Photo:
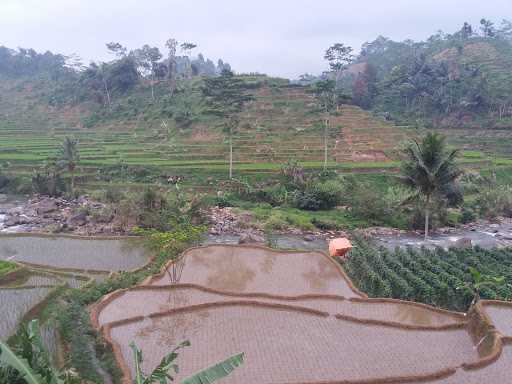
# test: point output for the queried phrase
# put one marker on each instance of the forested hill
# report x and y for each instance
(462, 79)
(458, 80)
(47, 90)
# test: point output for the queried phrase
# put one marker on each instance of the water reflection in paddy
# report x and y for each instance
(244, 269)
(74, 253)
(29, 287)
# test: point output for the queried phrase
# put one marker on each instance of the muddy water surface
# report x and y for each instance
(259, 270)
(74, 253)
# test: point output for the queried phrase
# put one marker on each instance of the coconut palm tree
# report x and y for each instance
(69, 157)
(430, 170)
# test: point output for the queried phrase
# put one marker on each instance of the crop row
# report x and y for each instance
(435, 277)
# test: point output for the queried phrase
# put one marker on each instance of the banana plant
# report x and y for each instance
(33, 364)
(9, 359)
(167, 368)
(479, 281)
(32, 361)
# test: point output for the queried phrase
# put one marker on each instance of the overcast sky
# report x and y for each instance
(278, 37)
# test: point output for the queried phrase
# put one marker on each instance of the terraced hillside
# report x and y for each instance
(282, 123)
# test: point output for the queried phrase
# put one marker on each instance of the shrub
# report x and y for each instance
(275, 195)
(495, 202)
(468, 215)
(323, 195)
(324, 224)
(48, 182)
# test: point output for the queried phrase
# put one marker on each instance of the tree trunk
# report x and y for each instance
(72, 183)
(152, 86)
(326, 127)
(230, 154)
(427, 217)
(106, 91)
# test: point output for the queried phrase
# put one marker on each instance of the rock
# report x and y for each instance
(46, 206)
(463, 243)
(250, 238)
(12, 221)
(4, 180)
(77, 220)
(309, 238)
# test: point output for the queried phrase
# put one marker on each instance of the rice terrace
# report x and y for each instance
(233, 298)
(272, 193)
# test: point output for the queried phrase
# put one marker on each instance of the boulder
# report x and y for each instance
(250, 238)
(45, 206)
(309, 238)
(463, 243)
(77, 220)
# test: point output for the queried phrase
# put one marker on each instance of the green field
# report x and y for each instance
(6, 267)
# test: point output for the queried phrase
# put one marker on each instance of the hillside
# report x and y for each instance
(154, 125)
(280, 124)
(459, 80)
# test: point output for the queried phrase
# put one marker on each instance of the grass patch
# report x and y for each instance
(6, 267)
(281, 218)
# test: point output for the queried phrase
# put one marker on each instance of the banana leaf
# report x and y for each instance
(217, 371)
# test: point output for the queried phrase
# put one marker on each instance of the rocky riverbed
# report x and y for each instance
(83, 216)
(80, 216)
(229, 227)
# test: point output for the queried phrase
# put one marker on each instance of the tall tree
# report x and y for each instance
(466, 31)
(226, 96)
(69, 157)
(431, 171)
(117, 49)
(147, 58)
(339, 57)
(172, 46)
(487, 27)
(327, 99)
(187, 48)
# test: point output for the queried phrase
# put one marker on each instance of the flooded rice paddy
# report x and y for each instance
(50, 262)
(294, 314)
(258, 269)
(16, 303)
(285, 346)
(73, 252)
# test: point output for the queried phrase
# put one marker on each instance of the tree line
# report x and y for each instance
(102, 81)
(449, 79)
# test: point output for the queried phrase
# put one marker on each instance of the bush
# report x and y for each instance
(324, 224)
(319, 196)
(275, 195)
(468, 215)
(48, 182)
(494, 202)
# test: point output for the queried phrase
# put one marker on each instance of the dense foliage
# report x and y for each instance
(449, 79)
(435, 277)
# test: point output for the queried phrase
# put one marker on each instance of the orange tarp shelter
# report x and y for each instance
(339, 247)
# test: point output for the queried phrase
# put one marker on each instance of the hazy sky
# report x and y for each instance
(278, 37)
